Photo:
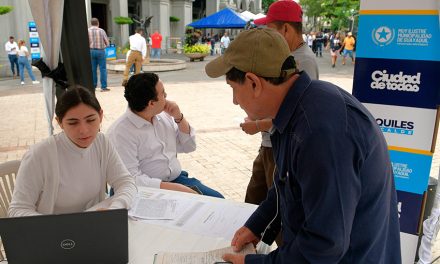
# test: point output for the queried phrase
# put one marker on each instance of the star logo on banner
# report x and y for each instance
(383, 35)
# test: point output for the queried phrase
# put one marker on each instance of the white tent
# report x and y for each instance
(248, 15)
(48, 15)
(259, 15)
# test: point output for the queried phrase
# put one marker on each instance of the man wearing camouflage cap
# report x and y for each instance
(333, 197)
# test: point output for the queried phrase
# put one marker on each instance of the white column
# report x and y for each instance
(183, 10)
(120, 32)
(161, 19)
(212, 6)
(88, 4)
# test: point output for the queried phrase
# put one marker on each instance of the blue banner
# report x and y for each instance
(397, 82)
(34, 40)
(411, 171)
(393, 37)
(35, 56)
(409, 206)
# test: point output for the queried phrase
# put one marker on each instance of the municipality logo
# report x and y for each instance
(383, 35)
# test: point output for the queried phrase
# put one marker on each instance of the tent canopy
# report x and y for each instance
(259, 15)
(226, 18)
(247, 15)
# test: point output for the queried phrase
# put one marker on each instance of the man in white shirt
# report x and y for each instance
(149, 135)
(11, 48)
(225, 41)
(138, 53)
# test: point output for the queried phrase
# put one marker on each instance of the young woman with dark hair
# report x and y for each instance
(69, 172)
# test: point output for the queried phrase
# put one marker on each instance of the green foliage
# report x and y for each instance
(266, 4)
(5, 9)
(124, 49)
(197, 48)
(338, 12)
(174, 19)
(192, 36)
(120, 20)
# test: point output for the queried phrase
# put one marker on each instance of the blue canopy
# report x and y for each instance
(226, 18)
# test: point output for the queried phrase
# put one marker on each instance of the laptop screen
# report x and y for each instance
(87, 237)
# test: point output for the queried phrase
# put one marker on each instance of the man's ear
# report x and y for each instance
(255, 82)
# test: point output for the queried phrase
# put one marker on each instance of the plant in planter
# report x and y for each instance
(120, 20)
(5, 9)
(174, 19)
(122, 51)
(192, 48)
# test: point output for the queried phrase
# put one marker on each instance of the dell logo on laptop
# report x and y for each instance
(67, 244)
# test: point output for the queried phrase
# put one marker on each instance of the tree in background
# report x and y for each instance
(340, 13)
(266, 4)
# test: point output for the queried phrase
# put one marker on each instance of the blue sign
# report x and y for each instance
(34, 40)
(35, 56)
(393, 37)
(411, 171)
(409, 206)
(397, 82)
(32, 24)
(110, 52)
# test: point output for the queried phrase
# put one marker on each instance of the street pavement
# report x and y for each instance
(224, 155)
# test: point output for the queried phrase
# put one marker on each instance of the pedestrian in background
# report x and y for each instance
(348, 45)
(156, 45)
(23, 62)
(335, 47)
(212, 45)
(319, 40)
(138, 52)
(224, 42)
(98, 41)
(11, 48)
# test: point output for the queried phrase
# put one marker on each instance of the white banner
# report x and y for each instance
(405, 127)
(408, 244)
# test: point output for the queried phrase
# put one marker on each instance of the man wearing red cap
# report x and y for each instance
(286, 18)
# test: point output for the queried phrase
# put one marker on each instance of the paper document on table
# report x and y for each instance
(208, 218)
(153, 208)
(209, 257)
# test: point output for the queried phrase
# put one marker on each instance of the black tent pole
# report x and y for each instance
(75, 50)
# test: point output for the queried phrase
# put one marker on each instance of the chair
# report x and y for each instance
(8, 172)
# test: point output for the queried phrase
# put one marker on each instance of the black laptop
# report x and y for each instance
(89, 237)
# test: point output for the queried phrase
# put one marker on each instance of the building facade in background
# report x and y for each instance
(16, 22)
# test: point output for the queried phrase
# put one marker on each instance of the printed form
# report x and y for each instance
(184, 213)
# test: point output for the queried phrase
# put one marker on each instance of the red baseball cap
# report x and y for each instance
(283, 10)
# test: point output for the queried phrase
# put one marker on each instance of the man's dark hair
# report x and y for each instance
(11, 37)
(239, 76)
(140, 90)
(139, 30)
(94, 21)
(74, 96)
(297, 26)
